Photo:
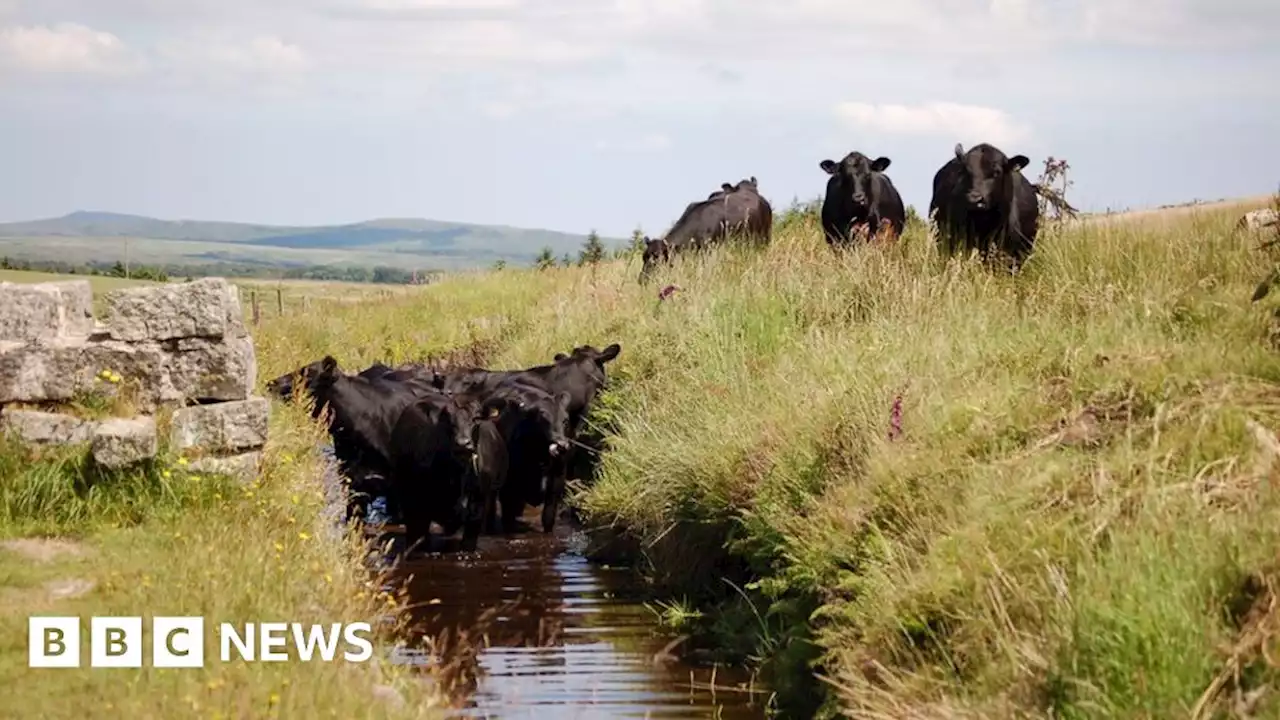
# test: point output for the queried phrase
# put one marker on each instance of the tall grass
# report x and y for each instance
(1076, 519)
(161, 540)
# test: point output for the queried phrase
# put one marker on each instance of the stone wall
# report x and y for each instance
(180, 346)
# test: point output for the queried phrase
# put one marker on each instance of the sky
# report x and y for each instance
(612, 114)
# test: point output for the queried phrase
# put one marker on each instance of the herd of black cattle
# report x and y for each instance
(452, 446)
(981, 199)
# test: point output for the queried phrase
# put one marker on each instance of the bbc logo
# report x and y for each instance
(115, 642)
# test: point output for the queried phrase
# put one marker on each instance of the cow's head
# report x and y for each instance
(319, 382)
(587, 352)
(656, 251)
(852, 176)
(283, 386)
(987, 175)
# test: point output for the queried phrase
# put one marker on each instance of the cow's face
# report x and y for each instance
(853, 176)
(283, 386)
(655, 251)
(987, 175)
(559, 425)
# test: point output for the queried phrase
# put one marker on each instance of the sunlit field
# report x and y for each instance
(941, 490)
(1077, 517)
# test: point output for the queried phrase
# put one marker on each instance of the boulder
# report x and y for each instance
(58, 369)
(31, 312)
(119, 443)
(45, 428)
(221, 427)
(243, 467)
(205, 308)
(211, 370)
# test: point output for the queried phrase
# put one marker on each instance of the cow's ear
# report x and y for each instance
(959, 151)
(1017, 162)
(753, 180)
(880, 164)
(328, 364)
(560, 356)
(610, 353)
(828, 166)
(726, 187)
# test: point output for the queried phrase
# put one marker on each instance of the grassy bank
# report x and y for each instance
(165, 541)
(1077, 519)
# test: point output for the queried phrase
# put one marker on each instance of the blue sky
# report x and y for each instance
(608, 114)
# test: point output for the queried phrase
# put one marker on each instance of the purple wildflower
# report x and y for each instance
(895, 418)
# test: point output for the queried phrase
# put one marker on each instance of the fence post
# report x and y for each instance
(253, 299)
(279, 301)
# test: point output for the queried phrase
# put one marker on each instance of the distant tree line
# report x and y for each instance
(381, 275)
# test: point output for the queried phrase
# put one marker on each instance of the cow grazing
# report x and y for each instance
(983, 202)
(860, 196)
(733, 208)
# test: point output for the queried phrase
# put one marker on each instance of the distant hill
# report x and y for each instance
(86, 236)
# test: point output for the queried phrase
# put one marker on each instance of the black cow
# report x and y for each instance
(859, 195)
(397, 435)
(577, 377)
(537, 440)
(738, 208)
(366, 472)
(983, 202)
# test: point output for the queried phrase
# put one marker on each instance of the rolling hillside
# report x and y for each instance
(392, 242)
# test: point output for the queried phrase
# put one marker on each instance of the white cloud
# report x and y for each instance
(265, 54)
(64, 48)
(964, 123)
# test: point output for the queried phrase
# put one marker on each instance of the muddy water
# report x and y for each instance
(558, 637)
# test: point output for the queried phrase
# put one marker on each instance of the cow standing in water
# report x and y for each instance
(860, 197)
(984, 203)
(732, 208)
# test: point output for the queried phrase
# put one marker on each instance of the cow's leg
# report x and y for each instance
(512, 506)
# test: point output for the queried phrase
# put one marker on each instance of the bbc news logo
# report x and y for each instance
(178, 642)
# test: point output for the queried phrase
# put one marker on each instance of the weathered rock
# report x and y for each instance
(45, 310)
(44, 428)
(203, 369)
(222, 427)
(120, 443)
(235, 313)
(190, 369)
(243, 467)
(1258, 219)
(58, 369)
(205, 308)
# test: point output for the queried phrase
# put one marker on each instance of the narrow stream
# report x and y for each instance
(565, 638)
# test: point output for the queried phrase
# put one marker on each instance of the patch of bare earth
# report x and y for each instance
(43, 549)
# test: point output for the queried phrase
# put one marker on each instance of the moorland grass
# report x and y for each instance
(1078, 519)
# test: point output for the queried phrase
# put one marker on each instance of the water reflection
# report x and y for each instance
(548, 635)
